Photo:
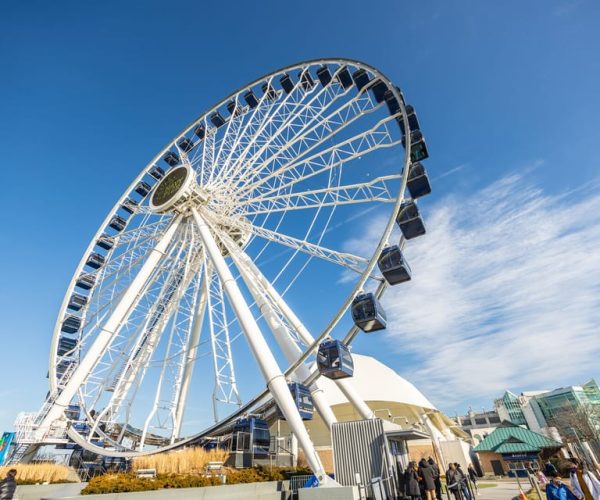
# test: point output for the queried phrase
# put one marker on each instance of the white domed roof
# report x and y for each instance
(375, 381)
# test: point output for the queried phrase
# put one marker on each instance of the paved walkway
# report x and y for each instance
(506, 490)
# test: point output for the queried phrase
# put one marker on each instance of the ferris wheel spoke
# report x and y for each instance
(345, 259)
(129, 359)
(376, 190)
(313, 133)
(114, 352)
(263, 129)
(313, 108)
(225, 389)
(183, 302)
(230, 138)
(113, 285)
(103, 339)
(333, 157)
(181, 324)
(191, 350)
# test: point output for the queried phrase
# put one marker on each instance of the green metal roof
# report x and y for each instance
(509, 439)
(516, 448)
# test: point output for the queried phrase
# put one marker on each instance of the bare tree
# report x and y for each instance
(579, 425)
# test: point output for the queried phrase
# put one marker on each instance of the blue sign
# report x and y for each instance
(519, 456)
(5, 441)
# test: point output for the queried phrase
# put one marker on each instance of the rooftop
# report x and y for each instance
(510, 438)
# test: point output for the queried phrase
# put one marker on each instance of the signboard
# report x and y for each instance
(5, 441)
(517, 457)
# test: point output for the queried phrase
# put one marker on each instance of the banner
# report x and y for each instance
(5, 441)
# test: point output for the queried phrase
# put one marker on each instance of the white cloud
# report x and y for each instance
(505, 293)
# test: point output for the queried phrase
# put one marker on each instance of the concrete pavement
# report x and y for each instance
(506, 490)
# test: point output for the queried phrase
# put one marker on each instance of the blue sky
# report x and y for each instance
(507, 93)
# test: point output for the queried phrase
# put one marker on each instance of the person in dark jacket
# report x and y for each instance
(411, 480)
(438, 478)
(464, 487)
(8, 485)
(549, 469)
(453, 480)
(427, 475)
(473, 477)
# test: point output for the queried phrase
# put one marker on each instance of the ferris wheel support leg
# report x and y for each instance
(291, 350)
(119, 315)
(345, 385)
(272, 373)
(190, 361)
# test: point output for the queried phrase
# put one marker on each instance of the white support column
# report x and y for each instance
(190, 361)
(112, 325)
(291, 350)
(271, 372)
(345, 385)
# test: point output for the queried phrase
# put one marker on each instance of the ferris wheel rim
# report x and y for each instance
(343, 308)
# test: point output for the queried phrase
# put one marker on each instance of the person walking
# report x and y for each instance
(549, 469)
(438, 478)
(411, 481)
(8, 485)
(473, 477)
(427, 475)
(464, 487)
(557, 490)
(453, 481)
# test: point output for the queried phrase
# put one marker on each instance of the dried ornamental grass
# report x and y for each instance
(38, 473)
(186, 461)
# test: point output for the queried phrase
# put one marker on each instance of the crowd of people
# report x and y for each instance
(423, 481)
(582, 485)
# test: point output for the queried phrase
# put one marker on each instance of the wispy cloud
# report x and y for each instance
(505, 293)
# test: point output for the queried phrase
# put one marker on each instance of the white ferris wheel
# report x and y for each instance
(189, 281)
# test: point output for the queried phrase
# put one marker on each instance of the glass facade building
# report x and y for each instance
(574, 411)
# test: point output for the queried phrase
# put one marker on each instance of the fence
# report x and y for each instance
(301, 481)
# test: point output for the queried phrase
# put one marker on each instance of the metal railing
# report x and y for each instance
(301, 481)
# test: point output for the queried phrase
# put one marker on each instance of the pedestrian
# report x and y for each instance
(473, 477)
(549, 469)
(438, 478)
(542, 479)
(8, 485)
(411, 481)
(464, 487)
(557, 490)
(427, 475)
(453, 481)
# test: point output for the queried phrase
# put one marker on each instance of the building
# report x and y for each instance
(511, 449)
(479, 425)
(396, 401)
(570, 414)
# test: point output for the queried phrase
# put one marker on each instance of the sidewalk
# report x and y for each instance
(506, 490)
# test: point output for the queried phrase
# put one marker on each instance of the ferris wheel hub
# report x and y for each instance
(178, 191)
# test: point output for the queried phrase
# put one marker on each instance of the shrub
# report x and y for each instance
(125, 483)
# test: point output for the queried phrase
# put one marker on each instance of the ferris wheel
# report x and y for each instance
(254, 246)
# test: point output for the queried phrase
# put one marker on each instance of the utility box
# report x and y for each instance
(362, 457)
